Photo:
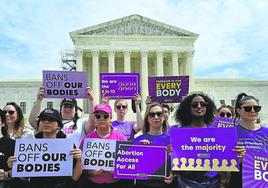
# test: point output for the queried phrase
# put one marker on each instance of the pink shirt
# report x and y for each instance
(105, 176)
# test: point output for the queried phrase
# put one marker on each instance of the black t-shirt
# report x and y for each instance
(7, 147)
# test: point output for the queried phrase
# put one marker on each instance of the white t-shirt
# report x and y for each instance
(75, 134)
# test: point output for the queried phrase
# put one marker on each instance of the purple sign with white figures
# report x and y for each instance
(203, 149)
(65, 84)
(168, 89)
(119, 85)
(255, 170)
(140, 161)
(221, 122)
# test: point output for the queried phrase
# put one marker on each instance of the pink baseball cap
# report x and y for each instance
(103, 107)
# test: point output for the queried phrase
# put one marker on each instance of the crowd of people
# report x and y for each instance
(196, 110)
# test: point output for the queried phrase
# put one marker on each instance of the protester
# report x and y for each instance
(225, 111)
(50, 123)
(249, 133)
(73, 126)
(121, 125)
(102, 114)
(154, 132)
(197, 110)
(16, 127)
(7, 146)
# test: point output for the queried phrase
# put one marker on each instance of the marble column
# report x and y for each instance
(79, 67)
(189, 69)
(144, 78)
(175, 64)
(96, 76)
(79, 60)
(111, 61)
(159, 63)
(127, 64)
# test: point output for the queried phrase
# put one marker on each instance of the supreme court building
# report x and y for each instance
(135, 44)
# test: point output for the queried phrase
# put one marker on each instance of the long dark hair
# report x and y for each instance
(146, 127)
(240, 100)
(183, 114)
(3, 120)
(19, 123)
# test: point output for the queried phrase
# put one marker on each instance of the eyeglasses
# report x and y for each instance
(47, 118)
(121, 107)
(10, 112)
(153, 114)
(196, 104)
(249, 108)
(105, 116)
(222, 114)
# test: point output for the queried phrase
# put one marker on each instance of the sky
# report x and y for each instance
(232, 42)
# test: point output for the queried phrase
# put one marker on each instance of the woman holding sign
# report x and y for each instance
(197, 110)
(154, 132)
(73, 126)
(102, 114)
(249, 133)
(16, 127)
(50, 123)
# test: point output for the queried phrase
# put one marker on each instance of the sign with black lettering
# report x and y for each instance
(43, 157)
(65, 84)
(98, 154)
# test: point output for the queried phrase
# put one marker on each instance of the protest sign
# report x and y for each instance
(168, 89)
(119, 85)
(98, 154)
(135, 161)
(204, 149)
(220, 122)
(43, 157)
(65, 84)
(255, 169)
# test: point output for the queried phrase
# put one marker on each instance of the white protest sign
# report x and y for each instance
(98, 154)
(43, 157)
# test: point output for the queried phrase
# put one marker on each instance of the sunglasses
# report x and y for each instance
(153, 114)
(47, 118)
(121, 107)
(105, 116)
(222, 114)
(10, 112)
(196, 104)
(249, 108)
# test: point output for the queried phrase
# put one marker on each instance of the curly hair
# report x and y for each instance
(183, 114)
(240, 100)
(19, 123)
(146, 122)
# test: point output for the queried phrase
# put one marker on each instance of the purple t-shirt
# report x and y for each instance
(256, 140)
(125, 128)
(162, 140)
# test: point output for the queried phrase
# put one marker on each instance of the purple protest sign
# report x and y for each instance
(221, 122)
(65, 84)
(43, 157)
(203, 149)
(140, 161)
(119, 85)
(255, 170)
(168, 89)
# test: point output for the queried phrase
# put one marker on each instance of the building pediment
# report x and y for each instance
(134, 25)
